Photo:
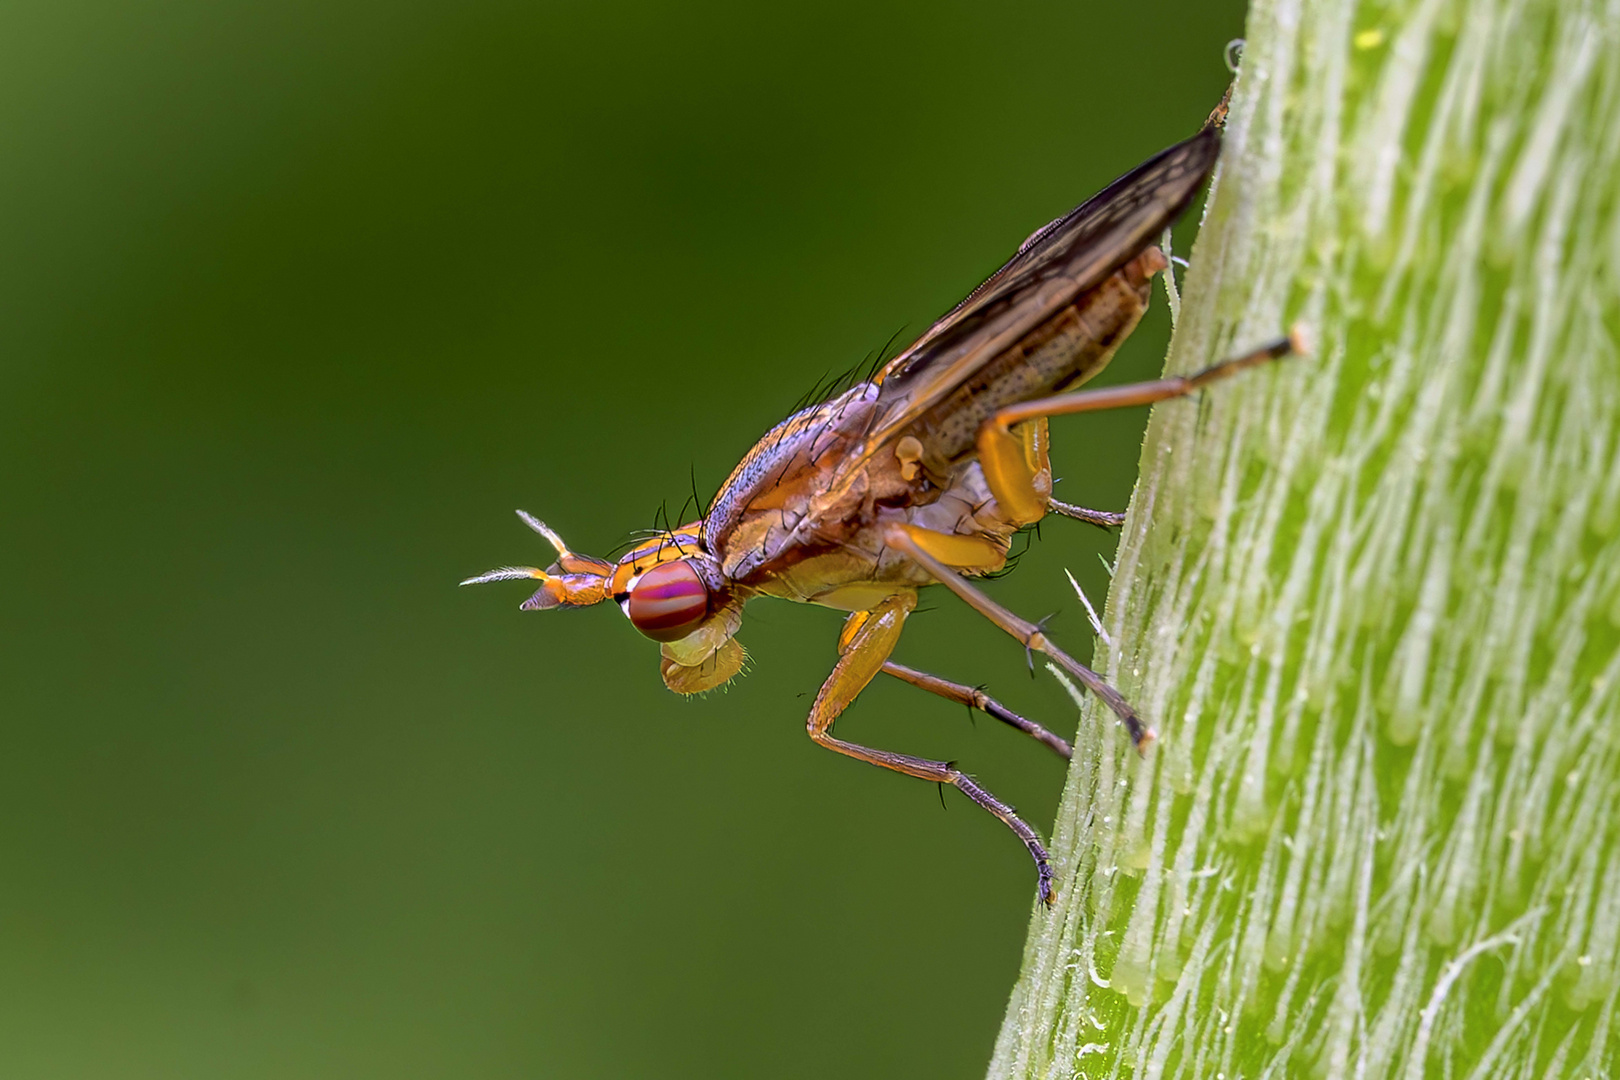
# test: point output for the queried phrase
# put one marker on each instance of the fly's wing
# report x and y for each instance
(1052, 268)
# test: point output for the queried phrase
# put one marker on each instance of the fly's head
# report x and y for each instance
(671, 590)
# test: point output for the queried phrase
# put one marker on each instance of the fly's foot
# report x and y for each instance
(1103, 519)
(1043, 885)
(1009, 816)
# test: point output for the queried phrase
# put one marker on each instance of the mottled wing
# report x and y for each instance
(1052, 268)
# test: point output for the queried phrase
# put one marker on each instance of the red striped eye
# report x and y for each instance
(668, 601)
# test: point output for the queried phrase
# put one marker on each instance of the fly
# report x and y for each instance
(919, 476)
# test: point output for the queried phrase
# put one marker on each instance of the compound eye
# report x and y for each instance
(668, 601)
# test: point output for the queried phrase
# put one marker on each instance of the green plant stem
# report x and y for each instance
(1371, 598)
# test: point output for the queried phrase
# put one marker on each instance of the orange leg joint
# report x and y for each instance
(865, 644)
(1016, 468)
(975, 554)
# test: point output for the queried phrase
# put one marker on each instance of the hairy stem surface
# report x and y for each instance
(1371, 598)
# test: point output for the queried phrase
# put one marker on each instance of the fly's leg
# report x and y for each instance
(1018, 466)
(1103, 519)
(1013, 459)
(974, 698)
(864, 648)
(971, 696)
(1013, 455)
(918, 543)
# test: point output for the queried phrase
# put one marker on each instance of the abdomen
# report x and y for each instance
(1061, 353)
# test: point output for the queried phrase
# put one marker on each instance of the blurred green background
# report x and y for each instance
(299, 301)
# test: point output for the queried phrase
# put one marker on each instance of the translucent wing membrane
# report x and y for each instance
(1052, 268)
